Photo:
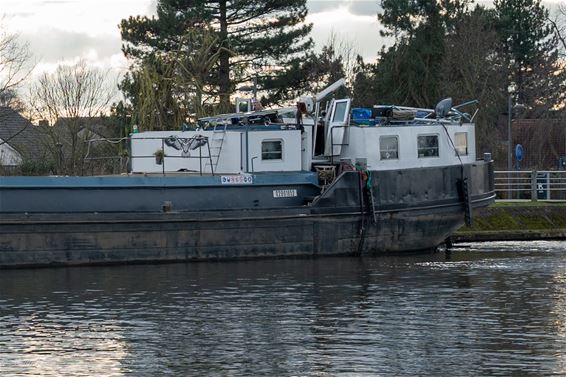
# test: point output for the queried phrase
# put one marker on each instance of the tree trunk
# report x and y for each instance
(224, 59)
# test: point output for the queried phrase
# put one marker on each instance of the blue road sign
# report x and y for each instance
(519, 152)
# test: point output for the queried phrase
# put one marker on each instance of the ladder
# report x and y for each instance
(215, 146)
(468, 214)
(371, 204)
(367, 204)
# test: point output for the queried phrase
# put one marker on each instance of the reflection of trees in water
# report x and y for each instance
(416, 314)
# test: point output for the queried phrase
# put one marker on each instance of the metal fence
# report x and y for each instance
(530, 185)
(160, 156)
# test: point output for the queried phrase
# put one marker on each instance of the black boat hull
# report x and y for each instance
(408, 217)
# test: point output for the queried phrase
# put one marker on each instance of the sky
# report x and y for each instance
(69, 30)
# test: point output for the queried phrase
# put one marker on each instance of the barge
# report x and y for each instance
(316, 179)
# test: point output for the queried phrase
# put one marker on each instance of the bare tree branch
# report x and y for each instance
(14, 59)
(558, 31)
(71, 95)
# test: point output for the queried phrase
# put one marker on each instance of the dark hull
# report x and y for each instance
(336, 223)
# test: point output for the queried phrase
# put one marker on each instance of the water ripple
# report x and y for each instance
(483, 309)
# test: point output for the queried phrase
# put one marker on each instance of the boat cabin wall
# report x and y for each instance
(238, 151)
(274, 151)
(183, 151)
(306, 140)
(389, 147)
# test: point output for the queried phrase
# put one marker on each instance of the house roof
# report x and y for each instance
(100, 126)
(21, 134)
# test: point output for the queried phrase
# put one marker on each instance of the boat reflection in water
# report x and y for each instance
(485, 309)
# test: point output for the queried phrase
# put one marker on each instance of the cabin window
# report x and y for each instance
(272, 150)
(461, 143)
(340, 112)
(427, 146)
(389, 147)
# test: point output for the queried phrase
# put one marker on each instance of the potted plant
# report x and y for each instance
(159, 155)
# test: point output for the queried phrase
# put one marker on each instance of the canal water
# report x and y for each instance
(484, 309)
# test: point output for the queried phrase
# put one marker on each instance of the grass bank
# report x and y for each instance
(516, 221)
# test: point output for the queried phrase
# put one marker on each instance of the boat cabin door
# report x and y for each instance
(336, 128)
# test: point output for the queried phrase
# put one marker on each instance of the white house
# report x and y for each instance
(19, 139)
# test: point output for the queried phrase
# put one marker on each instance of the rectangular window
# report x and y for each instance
(461, 143)
(340, 112)
(427, 146)
(389, 147)
(272, 150)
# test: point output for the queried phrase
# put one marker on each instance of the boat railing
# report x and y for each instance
(408, 123)
(160, 156)
(118, 152)
(444, 113)
(547, 185)
(209, 147)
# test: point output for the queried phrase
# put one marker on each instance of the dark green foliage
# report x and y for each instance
(324, 68)
(34, 168)
(158, 106)
(473, 68)
(524, 30)
(443, 48)
(121, 118)
(409, 71)
(364, 85)
(531, 51)
(410, 17)
(267, 38)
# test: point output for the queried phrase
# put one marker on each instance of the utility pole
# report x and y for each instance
(509, 150)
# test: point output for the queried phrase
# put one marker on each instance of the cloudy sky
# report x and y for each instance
(68, 30)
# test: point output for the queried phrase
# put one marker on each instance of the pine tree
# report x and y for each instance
(265, 38)
(473, 69)
(364, 84)
(409, 71)
(531, 50)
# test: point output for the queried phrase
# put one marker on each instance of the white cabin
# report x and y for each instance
(403, 147)
(271, 141)
(224, 149)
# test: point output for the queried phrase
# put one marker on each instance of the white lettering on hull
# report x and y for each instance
(237, 179)
(285, 193)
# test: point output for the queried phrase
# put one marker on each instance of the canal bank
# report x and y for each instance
(516, 221)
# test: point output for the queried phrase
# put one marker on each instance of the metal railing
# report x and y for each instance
(207, 163)
(160, 155)
(530, 185)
